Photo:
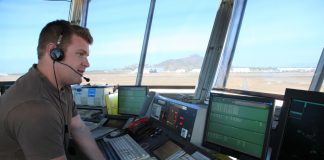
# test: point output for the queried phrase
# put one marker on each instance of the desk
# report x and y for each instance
(117, 121)
(103, 108)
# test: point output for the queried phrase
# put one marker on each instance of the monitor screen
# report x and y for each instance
(238, 125)
(5, 85)
(303, 135)
(131, 99)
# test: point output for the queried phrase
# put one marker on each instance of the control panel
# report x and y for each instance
(171, 129)
(185, 119)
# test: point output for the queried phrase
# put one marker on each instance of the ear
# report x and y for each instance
(49, 48)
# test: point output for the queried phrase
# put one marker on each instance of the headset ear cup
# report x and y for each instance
(57, 54)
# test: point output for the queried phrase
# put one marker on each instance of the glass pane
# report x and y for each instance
(279, 45)
(118, 29)
(20, 25)
(179, 37)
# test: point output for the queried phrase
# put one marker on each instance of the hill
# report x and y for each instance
(187, 63)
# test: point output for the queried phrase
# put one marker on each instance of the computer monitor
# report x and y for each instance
(238, 125)
(5, 85)
(131, 99)
(303, 135)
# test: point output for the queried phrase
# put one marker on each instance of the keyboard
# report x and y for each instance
(127, 148)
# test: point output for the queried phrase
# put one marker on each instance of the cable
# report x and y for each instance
(65, 130)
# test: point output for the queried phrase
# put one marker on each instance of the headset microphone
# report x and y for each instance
(85, 78)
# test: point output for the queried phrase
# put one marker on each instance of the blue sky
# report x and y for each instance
(288, 34)
(273, 34)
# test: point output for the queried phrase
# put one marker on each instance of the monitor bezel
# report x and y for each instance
(233, 152)
(4, 85)
(130, 86)
(290, 95)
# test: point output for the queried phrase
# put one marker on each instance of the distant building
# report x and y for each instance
(195, 70)
(149, 70)
(271, 69)
(241, 70)
(296, 69)
(180, 70)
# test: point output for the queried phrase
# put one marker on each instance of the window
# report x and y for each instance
(179, 37)
(20, 25)
(278, 46)
(118, 29)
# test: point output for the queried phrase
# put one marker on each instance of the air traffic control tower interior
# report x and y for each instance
(215, 122)
(230, 125)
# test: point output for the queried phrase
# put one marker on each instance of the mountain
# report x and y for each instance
(187, 63)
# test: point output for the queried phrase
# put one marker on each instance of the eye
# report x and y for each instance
(81, 54)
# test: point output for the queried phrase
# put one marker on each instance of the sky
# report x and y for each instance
(273, 33)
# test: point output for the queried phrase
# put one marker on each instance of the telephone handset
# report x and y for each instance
(138, 124)
(130, 125)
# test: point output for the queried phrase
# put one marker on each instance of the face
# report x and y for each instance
(76, 56)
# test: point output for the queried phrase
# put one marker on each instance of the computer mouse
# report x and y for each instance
(115, 133)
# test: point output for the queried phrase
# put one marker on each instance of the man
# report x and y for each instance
(37, 113)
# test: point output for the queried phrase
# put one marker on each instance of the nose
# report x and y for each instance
(85, 63)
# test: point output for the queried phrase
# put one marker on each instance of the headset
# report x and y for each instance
(57, 53)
